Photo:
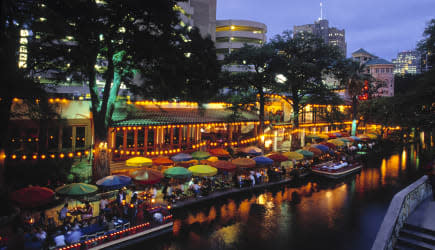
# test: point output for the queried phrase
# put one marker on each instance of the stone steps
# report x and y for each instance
(414, 237)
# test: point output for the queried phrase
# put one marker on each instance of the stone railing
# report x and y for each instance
(401, 206)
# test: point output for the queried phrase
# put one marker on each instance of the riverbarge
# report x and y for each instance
(336, 170)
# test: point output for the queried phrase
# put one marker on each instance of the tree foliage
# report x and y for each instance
(303, 59)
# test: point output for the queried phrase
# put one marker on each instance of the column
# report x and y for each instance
(145, 140)
(180, 135)
(188, 135)
(156, 130)
(171, 137)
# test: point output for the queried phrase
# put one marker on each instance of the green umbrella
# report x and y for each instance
(76, 189)
(177, 172)
(200, 155)
(305, 153)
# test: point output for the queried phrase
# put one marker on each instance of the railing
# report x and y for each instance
(401, 206)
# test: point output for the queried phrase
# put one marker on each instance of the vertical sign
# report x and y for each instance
(22, 55)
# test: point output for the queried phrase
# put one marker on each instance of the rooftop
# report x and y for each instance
(378, 61)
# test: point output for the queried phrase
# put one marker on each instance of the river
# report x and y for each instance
(344, 214)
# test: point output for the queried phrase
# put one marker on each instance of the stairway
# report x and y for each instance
(414, 237)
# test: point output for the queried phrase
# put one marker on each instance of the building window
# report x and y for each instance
(119, 138)
(80, 137)
(130, 139)
(377, 70)
(53, 138)
(67, 137)
(141, 138)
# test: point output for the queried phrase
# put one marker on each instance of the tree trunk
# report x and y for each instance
(101, 160)
(262, 100)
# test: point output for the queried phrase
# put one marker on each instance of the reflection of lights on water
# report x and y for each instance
(261, 199)
(403, 159)
(328, 194)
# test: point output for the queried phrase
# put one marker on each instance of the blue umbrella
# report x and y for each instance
(181, 157)
(114, 181)
(321, 147)
(262, 160)
(356, 138)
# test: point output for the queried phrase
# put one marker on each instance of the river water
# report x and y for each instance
(344, 214)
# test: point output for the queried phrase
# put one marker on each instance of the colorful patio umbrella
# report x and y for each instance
(220, 152)
(332, 136)
(356, 138)
(31, 197)
(146, 176)
(312, 136)
(345, 139)
(278, 157)
(162, 161)
(315, 151)
(114, 182)
(76, 189)
(364, 137)
(187, 164)
(139, 162)
(252, 150)
(371, 136)
(244, 162)
(338, 134)
(181, 157)
(305, 153)
(177, 173)
(324, 148)
(345, 134)
(263, 160)
(293, 155)
(337, 142)
(200, 155)
(224, 165)
(329, 145)
(203, 170)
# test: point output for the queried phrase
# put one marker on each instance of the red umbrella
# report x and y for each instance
(31, 197)
(162, 161)
(146, 176)
(328, 144)
(332, 136)
(224, 165)
(278, 157)
(244, 162)
(220, 152)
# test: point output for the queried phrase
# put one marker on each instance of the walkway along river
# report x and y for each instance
(314, 213)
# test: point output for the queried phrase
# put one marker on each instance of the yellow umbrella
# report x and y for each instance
(371, 136)
(337, 142)
(138, 162)
(323, 136)
(293, 155)
(203, 170)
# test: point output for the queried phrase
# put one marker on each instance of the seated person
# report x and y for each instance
(63, 212)
(59, 239)
(158, 217)
(88, 212)
(74, 235)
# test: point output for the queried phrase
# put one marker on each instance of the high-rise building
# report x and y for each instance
(233, 34)
(201, 14)
(407, 62)
(329, 35)
(380, 69)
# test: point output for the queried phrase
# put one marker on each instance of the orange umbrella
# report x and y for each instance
(224, 165)
(244, 162)
(162, 161)
(219, 152)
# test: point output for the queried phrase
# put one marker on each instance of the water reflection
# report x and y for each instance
(315, 213)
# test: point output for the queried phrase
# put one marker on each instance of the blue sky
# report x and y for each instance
(382, 27)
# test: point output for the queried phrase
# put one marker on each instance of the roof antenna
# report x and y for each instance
(321, 11)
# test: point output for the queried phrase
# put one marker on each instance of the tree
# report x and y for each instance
(256, 76)
(427, 45)
(87, 40)
(303, 60)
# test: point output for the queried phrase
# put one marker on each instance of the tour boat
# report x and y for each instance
(125, 234)
(336, 170)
